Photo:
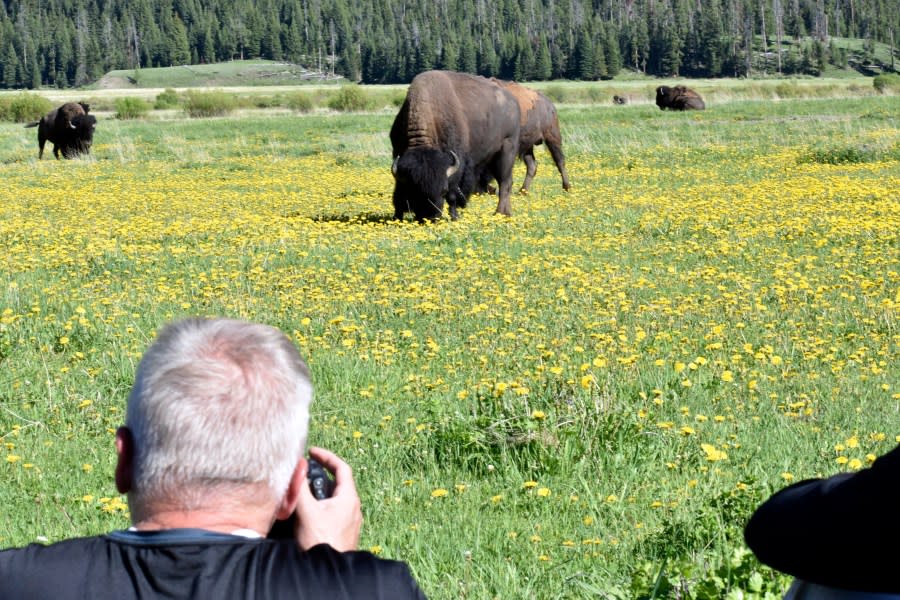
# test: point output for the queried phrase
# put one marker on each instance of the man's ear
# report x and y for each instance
(289, 502)
(125, 465)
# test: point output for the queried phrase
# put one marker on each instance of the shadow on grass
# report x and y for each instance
(361, 218)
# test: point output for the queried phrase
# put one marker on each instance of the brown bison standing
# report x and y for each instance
(452, 129)
(69, 128)
(678, 98)
(539, 124)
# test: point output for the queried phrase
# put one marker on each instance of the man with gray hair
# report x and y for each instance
(212, 454)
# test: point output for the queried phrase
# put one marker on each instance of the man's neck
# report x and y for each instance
(222, 522)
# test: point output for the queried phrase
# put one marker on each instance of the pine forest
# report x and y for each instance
(65, 43)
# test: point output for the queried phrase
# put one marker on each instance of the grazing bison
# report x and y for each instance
(452, 128)
(539, 124)
(69, 128)
(678, 98)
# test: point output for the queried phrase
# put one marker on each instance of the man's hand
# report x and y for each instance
(335, 521)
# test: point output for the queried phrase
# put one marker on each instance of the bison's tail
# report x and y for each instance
(35, 124)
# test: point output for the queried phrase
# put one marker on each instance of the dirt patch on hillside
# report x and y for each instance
(115, 82)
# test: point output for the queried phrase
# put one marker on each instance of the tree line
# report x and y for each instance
(66, 43)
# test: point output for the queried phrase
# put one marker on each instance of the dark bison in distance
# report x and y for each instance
(678, 98)
(69, 128)
(452, 130)
(539, 125)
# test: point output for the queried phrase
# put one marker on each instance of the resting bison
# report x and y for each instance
(69, 128)
(451, 129)
(539, 124)
(678, 98)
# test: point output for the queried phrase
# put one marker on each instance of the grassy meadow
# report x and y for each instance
(585, 400)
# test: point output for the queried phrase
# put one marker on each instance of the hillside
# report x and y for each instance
(239, 73)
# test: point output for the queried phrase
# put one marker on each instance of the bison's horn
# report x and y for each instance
(454, 167)
(72, 125)
(394, 167)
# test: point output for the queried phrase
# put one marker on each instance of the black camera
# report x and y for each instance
(320, 484)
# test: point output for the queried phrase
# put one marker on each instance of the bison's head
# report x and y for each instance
(664, 96)
(422, 178)
(82, 137)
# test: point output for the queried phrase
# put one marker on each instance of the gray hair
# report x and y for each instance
(217, 404)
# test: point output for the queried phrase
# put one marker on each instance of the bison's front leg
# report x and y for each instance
(456, 199)
(401, 207)
(504, 176)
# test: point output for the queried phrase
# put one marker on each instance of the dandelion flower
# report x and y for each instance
(712, 453)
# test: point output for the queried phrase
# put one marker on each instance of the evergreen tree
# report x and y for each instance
(270, 43)
(349, 63)
(712, 35)
(543, 67)
(33, 80)
(65, 56)
(558, 60)
(581, 65)
(468, 56)
(426, 55)
(206, 52)
(601, 70)
(612, 52)
(670, 58)
(524, 62)
(449, 59)
(9, 65)
(488, 61)
(254, 30)
(180, 48)
(82, 43)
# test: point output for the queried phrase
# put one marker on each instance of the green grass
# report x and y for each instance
(479, 356)
(386, 98)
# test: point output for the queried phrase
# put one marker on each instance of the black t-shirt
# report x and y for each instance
(197, 564)
(841, 532)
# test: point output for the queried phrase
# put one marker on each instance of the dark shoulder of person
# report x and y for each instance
(352, 575)
(833, 531)
(59, 571)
